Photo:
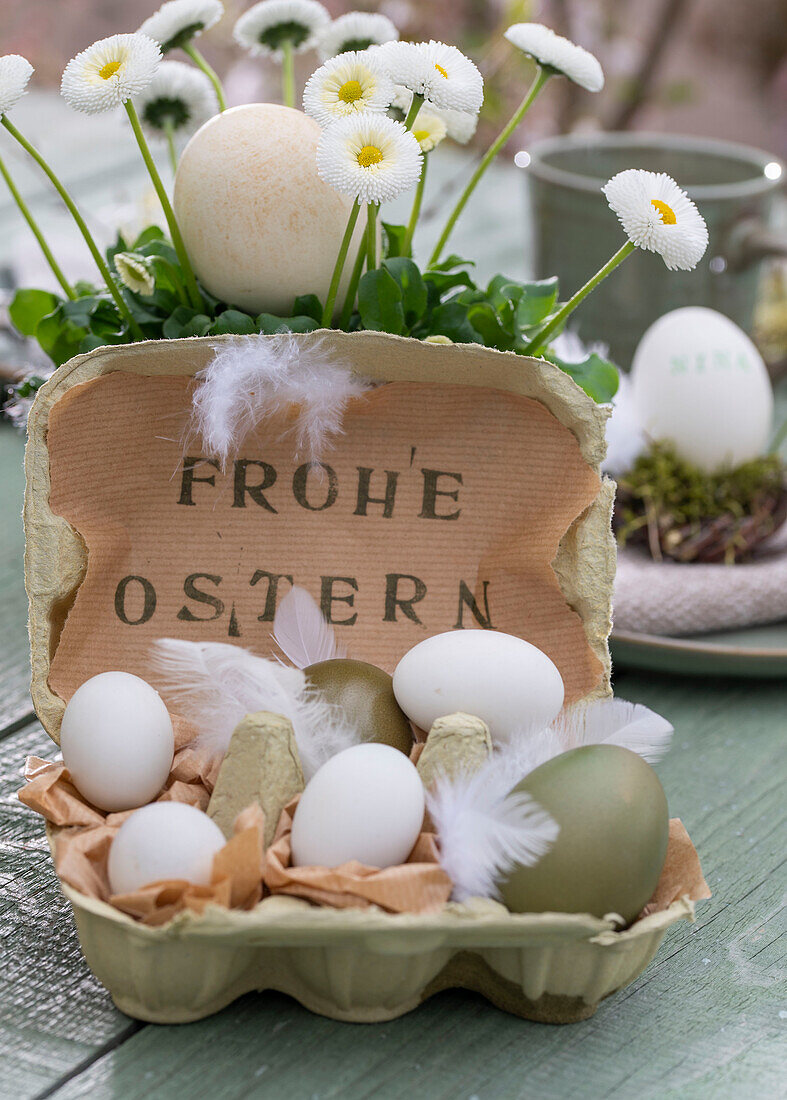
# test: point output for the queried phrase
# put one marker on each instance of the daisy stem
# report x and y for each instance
(169, 213)
(288, 72)
(330, 301)
(352, 289)
(191, 51)
(407, 247)
(100, 262)
(557, 320)
(39, 236)
(542, 76)
(173, 154)
(371, 235)
(416, 104)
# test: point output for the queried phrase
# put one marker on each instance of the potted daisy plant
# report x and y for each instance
(382, 106)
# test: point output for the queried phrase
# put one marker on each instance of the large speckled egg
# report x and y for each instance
(365, 694)
(259, 224)
(614, 826)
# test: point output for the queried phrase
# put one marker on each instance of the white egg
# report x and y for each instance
(365, 803)
(502, 679)
(699, 382)
(117, 741)
(259, 224)
(166, 840)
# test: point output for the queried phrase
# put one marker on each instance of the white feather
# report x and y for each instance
(301, 631)
(615, 722)
(215, 685)
(484, 830)
(253, 378)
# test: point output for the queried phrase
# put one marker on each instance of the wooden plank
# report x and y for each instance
(702, 1021)
(14, 659)
(54, 1015)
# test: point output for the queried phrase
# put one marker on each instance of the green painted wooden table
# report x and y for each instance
(706, 1019)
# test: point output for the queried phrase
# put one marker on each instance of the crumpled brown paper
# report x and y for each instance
(418, 886)
(681, 875)
(85, 834)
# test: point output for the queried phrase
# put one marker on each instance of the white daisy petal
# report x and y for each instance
(353, 32)
(441, 74)
(460, 125)
(110, 72)
(136, 272)
(178, 21)
(556, 53)
(658, 216)
(264, 28)
(15, 72)
(346, 85)
(428, 130)
(369, 156)
(179, 96)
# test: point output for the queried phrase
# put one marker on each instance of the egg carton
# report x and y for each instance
(363, 965)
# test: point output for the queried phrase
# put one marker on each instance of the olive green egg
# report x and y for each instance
(365, 694)
(610, 851)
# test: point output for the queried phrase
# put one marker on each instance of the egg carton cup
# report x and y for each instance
(364, 965)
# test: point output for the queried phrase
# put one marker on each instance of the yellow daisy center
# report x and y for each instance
(667, 213)
(350, 91)
(420, 135)
(108, 70)
(369, 155)
(441, 70)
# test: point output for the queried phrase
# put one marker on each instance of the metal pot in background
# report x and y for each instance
(575, 232)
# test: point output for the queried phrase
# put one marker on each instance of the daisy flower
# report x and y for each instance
(110, 72)
(370, 157)
(179, 21)
(557, 54)
(438, 73)
(272, 25)
(345, 85)
(15, 72)
(460, 125)
(353, 32)
(658, 216)
(135, 272)
(178, 100)
(428, 130)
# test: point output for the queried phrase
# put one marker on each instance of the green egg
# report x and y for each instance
(614, 824)
(365, 693)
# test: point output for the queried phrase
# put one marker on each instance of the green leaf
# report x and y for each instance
(537, 302)
(90, 343)
(233, 321)
(80, 312)
(164, 249)
(120, 245)
(412, 286)
(485, 320)
(438, 283)
(171, 328)
(598, 377)
(452, 262)
(29, 307)
(197, 326)
(451, 320)
(152, 233)
(308, 305)
(393, 239)
(270, 325)
(59, 337)
(380, 302)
